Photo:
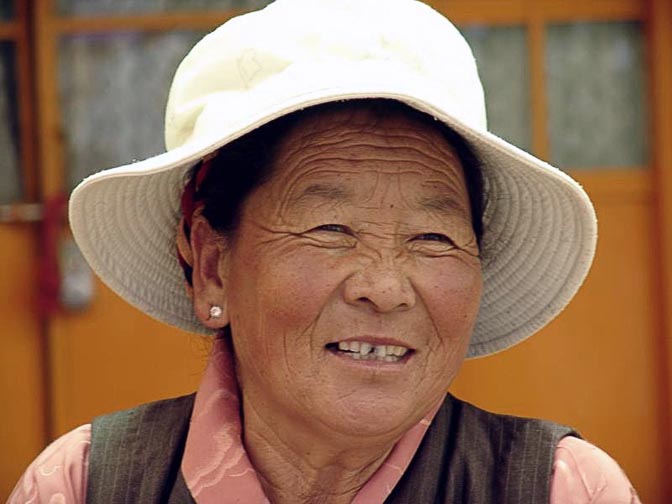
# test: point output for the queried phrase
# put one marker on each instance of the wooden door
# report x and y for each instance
(23, 424)
(600, 367)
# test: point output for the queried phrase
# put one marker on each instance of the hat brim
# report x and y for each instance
(539, 225)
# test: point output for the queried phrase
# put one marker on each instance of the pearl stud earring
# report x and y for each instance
(215, 311)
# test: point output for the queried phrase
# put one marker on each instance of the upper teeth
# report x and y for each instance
(364, 348)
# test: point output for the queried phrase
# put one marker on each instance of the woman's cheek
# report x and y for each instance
(453, 295)
(298, 287)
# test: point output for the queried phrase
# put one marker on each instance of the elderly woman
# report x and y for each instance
(349, 231)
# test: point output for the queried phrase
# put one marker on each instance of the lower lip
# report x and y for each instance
(373, 363)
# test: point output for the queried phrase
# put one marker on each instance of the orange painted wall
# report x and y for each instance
(22, 426)
(113, 356)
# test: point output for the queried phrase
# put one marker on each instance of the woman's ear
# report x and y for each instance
(210, 273)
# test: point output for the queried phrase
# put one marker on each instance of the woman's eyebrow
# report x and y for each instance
(446, 205)
(323, 190)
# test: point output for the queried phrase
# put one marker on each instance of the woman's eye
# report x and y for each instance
(333, 228)
(435, 237)
(332, 236)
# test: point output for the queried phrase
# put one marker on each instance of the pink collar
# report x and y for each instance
(215, 466)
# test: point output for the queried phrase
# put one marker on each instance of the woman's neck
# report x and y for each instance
(297, 465)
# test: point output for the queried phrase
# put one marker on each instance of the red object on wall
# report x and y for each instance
(49, 278)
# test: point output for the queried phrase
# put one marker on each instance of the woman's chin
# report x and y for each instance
(369, 398)
(371, 415)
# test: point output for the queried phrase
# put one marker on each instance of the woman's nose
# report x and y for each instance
(383, 287)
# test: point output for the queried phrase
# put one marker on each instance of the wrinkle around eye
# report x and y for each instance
(433, 248)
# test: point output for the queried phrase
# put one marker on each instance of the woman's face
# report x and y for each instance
(353, 283)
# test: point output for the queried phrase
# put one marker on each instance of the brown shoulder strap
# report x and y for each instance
(469, 455)
(135, 454)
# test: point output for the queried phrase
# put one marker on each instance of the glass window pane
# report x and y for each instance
(6, 9)
(596, 94)
(113, 92)
(501, 54)
(10, 174)
(94, 7)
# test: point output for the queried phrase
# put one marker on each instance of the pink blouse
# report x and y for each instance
(215, 458)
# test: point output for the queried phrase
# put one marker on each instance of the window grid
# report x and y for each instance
(50, 26)
(14, 30)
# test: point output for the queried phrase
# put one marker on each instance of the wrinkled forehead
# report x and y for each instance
(369, 124)
(348, 152)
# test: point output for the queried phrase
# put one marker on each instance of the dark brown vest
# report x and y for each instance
(468, 455)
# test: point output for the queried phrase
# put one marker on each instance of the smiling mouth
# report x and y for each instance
(361, 350)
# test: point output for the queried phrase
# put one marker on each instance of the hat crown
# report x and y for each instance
(226, 74)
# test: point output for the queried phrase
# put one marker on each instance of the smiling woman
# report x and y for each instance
(370, 266)
(349, 232)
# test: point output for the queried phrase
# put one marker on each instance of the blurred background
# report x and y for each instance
(586, 84)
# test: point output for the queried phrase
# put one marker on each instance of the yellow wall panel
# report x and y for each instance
(111, 356)
(22, 429)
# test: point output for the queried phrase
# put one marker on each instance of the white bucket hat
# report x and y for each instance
(539, 225)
